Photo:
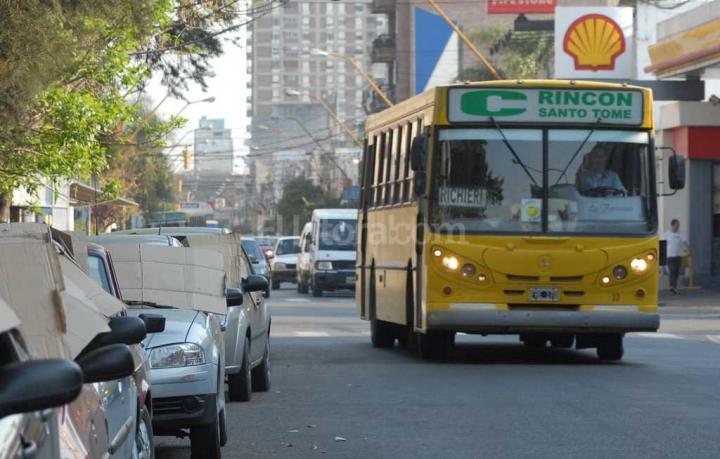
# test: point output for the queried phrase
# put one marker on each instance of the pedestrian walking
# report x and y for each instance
(677, 247)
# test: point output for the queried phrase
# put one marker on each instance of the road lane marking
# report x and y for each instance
(311, 334)
(656, 335)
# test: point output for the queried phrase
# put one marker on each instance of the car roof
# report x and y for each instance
(173, 230)
(145, 239)
(335, 213)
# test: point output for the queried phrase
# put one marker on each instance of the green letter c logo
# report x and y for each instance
(476, 103)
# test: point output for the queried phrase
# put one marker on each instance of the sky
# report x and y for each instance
(229, 87)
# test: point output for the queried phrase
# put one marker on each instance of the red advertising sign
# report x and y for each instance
(521, 6)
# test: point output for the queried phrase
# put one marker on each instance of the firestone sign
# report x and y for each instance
(520, 6)
(593, 43)
(615, 107)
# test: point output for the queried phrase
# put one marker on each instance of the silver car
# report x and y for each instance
(257, 259)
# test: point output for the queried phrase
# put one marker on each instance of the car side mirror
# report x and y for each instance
(418, 153)
(106, 363)
(255, 283)
(123, 330)
(154, 323)
(38, 385)
(234, 297)
(676, 172)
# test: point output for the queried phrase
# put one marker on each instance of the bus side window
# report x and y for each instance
(392, 167)
(406, 177)
(399, 162)
(387, 160)
(379, 155)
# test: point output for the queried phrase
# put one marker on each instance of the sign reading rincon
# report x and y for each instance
(546, 105)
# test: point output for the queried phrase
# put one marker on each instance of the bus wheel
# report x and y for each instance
(610, 347)
(382, 334)
(562, 341)
(435, 345)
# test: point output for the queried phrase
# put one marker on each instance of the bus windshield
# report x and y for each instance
(492, 180)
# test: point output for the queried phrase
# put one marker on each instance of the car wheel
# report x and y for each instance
(205, 441)
(275, 285)
(144, 441)
(610, 347)
(223, 429)
(261, 373)
(240, 384)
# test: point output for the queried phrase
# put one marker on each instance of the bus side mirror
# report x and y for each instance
(419, 183)
(676, 172)
(418, 153)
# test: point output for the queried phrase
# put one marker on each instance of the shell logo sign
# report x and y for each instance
(594, 41)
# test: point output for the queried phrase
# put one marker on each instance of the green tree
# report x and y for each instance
(516, 55)
(300, 197)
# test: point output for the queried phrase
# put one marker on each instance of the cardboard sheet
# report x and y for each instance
(171, 276)
(8, 318)
(23, 232)
(31, 283)
(89, 291)
(76, 243)
(228, 245)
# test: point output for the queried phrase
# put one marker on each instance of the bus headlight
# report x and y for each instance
(619, 272)
(638, 265)
(451, 263)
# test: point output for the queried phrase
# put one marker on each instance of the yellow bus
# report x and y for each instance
(511, 207)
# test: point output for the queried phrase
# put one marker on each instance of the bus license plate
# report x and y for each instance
(544, 294)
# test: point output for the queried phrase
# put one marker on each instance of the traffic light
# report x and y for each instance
(186, 159)
(180, 184)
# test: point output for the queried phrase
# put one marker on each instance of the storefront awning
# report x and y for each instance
(688, 52)
(86, 195)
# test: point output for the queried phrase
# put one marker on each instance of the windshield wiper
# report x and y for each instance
(577, 152)
(512, 150)
(146, 303)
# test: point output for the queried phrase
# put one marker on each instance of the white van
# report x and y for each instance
(328, 251)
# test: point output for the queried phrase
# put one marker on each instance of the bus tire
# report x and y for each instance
(534, 341)
(382, 334)
(610, 347)
(436, 345)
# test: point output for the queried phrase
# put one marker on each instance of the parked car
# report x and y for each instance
(304, 259)
(103, 272)
(332, 243)
(247, 332)
(283, 262)
(30, 390)
(257, 258)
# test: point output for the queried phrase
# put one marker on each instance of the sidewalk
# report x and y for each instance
(703, 297)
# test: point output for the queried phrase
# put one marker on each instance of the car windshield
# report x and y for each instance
(337, 234)
(491, 180)
(287, 247)
(253, 250)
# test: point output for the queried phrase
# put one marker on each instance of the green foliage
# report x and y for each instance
(519, 55)
(300, 197)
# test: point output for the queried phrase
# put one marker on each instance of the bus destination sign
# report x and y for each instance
(551, 105)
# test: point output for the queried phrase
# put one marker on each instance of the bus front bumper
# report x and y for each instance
(541, 321)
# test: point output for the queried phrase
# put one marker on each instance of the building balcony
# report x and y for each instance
(373, 103)
(383, 49)
(383, 6)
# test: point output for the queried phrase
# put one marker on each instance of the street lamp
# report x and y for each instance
(333, 115)
(358, 69)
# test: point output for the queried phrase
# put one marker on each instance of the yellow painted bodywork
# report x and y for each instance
(511, 263)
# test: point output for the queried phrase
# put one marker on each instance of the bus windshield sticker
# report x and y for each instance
(551, 105)
(468, 197)
(531, 210)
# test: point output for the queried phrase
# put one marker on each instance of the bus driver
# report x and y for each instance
(594, 179)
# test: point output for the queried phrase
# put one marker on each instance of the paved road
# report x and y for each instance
(495, 399)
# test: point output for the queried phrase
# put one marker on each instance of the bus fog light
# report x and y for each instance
(482, 277)
(437, 252)
(638, 265)
(650, 256)
(451, 263)
(468, 270)
(605, 280)
(619, 272)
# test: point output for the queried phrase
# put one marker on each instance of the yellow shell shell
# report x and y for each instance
(594, 41)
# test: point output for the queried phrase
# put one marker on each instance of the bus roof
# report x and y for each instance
(421, 102)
